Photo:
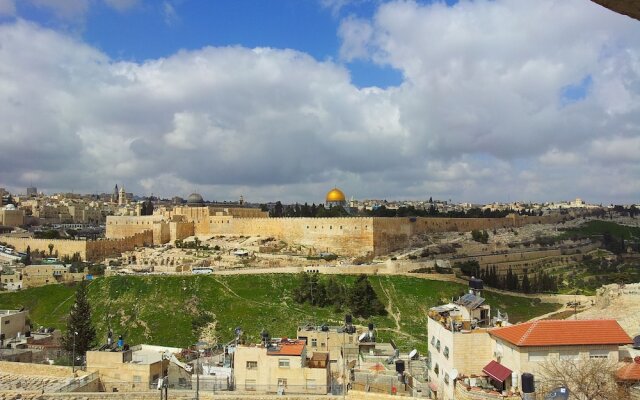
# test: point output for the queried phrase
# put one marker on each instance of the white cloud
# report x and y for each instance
(65, 9)
(122, 5)
(171, 16)
(478, 117)
(7, 8)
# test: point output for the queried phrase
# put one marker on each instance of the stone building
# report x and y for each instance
(11, 216)
(121, 371)
(12, 323)
(470, 351)
(281, 366)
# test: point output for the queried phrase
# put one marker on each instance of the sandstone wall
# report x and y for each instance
(37, 369)
(63, 247)
(100, 249)
(119, 227)
(345, 236)
(179, 230)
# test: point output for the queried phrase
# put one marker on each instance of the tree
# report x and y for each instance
(50, 249)
(363, 300)
(526, 285)
(79, 324)
(27, 258)
(586, 378)
(278, 210)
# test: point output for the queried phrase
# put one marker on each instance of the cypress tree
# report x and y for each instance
(79, 321)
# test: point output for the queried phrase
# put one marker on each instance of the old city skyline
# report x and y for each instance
(383, 99)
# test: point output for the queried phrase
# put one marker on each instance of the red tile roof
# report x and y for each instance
(563, 333)
(497, 371)
(290, 348)
(630, 372)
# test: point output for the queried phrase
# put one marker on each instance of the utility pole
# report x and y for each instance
(73, 353)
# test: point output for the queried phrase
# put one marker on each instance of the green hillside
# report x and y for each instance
(175, 310)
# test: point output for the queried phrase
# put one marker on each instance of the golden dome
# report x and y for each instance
(335, 195)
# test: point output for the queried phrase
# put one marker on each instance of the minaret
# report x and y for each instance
(114, 196)
(122, 197)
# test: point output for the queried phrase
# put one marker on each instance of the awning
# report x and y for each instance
(497, 371)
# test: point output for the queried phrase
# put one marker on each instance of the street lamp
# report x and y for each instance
(73, 354)
(198, 346)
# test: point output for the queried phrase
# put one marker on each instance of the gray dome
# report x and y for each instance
(195, 198)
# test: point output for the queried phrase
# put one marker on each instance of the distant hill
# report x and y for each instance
(180, 310)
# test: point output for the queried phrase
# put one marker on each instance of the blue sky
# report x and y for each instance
(479, 101)
(156, 29)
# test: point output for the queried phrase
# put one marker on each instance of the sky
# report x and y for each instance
(469, 101)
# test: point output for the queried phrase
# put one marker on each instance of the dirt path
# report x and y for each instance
(394, 315)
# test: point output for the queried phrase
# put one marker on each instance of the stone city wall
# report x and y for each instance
(37, 369)
(63, 247)
(119, 227)
(179, 230)
(345, 236)
(100, 249)
(88, 250)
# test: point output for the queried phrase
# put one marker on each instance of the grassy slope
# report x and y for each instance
(597, 227)
(162, 310)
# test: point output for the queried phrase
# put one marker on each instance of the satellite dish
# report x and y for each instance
(413, 354)
(362, 336)
(454, 374)
(636, 359)
(636, 342)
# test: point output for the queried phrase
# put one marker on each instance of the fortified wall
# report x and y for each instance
(63, 247)
(93, 250)
(346, 236)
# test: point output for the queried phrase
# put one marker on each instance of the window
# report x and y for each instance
(252, 365)
(538, 356)
(438, 345)
(282, 382)
(446, 378)
(283, 363)
(436, 369)
(570, 355)
(433, 340)
(137, 379)
(250, 384)
(599, 354)
(314, 342)
(446, 352)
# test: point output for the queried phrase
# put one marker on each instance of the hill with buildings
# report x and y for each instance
(180, 310)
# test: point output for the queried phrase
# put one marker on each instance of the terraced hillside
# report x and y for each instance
(179, 310)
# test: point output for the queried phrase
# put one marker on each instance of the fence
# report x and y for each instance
(79, 382)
